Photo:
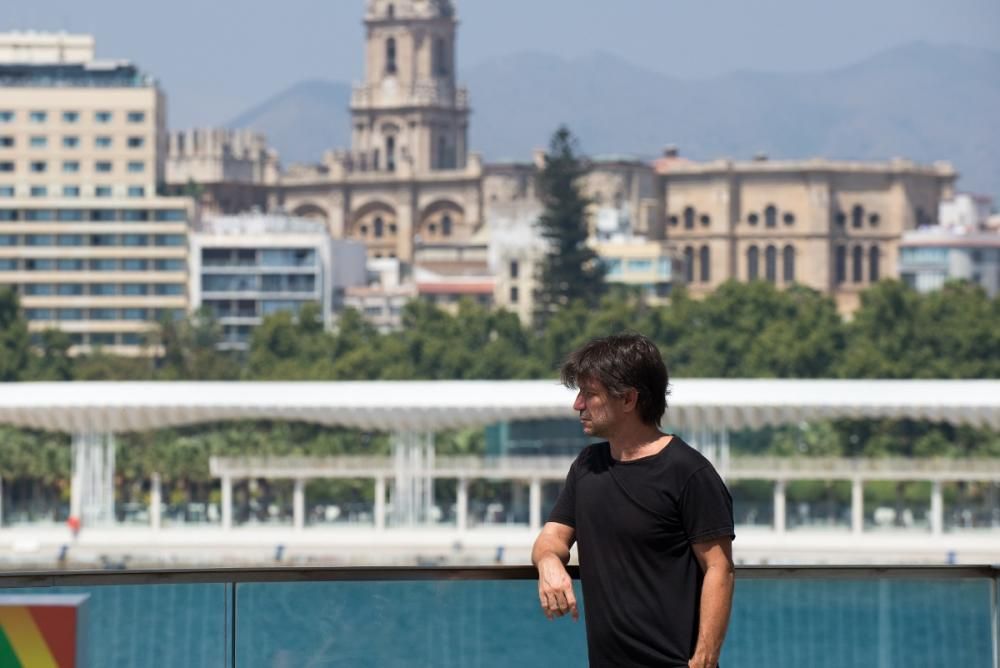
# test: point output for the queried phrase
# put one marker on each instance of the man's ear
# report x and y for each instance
(630, 399)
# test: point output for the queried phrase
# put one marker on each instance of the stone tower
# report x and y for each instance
(410, 115)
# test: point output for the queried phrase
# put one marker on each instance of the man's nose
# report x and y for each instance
(578, 404)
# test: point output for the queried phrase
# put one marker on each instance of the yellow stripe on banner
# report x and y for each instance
(25, 638)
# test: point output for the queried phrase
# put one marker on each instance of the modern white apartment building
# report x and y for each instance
(85, 238)
(931, 256)
(244, 268)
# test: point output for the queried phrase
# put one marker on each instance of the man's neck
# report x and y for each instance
(636, 443)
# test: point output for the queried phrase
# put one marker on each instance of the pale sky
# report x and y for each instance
(217, 58)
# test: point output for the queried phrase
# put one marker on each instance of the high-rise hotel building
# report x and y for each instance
(85, 237)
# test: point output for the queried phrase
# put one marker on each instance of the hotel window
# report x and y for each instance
(103, 289)
(103, 240)
(104, 215)
(40, 265)
(136, 191)
(38, 116)
(39, 191)
(102, 167)
(639, 266)
(771, 264)
(70, 215)
(170, 240)
(132, 264)
(70, 142)
(132, 339)
(136, 116)
(103, 314)
(6, 141)
(71, 116)
(134, 314)
(70, 314)
(135, 289)
(8, 214)
(168, 265)
(135, 215)
(102, 191)
(104, 265)
(39, 167)
(8, 265)
(103, 141)
(70, 289)
(71, 191)
(39, 214)
(38, 313)
(38, 141)
(71, 166)
(135, 240)
(102, 116)
(70, 240)
(788, 262)
(8, 239)
(171, 214)
(102, 339)
(6, 191)
(136, 142)
(170, 289)
(136, 167)
(70, 265)
(6, 116)
(39, 289)
(6, 166)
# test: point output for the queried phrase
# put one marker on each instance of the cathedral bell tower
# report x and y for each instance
(410, 114)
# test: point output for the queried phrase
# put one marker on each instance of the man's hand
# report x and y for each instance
(555, 589)
(702, 661)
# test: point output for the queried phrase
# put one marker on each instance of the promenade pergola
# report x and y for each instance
(704, 410)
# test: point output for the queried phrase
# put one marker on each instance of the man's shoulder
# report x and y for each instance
(595, 454)
(686, 457)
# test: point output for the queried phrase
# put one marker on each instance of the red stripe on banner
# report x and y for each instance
(57, 624)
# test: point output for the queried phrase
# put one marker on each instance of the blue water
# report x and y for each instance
(775, 623)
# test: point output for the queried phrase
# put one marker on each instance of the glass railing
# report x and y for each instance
(838, 616)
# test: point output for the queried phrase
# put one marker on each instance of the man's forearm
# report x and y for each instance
(716, 603)
(549, 545)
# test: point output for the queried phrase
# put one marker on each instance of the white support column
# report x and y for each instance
(779, 506)
(535, 505)
(937, 508)
(92, 487)
(379, 503)
(857, 506)
(299, 504)
(462, 505)
(227, 503)
(1, 503)
(155, 501)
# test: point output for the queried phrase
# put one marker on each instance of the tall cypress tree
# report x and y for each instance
(571, 270)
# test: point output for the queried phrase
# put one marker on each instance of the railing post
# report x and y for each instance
(155, 501)
(299, 504)
(937, 508)
(857, 506)
(535, 503)
(379, 509)
(462, 505)
(227, 502)
(779, 506)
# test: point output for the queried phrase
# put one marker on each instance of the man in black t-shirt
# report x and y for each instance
(652, 519)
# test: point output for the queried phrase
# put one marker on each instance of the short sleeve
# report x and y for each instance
(564, 512)
(706, 506)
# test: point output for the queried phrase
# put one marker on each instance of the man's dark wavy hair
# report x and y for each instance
(622, 362)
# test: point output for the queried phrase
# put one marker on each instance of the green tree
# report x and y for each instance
(13, 337)
(52, 361)
(571, 270)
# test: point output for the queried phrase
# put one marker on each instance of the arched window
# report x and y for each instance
(688, 218)
(873, 259)
(840, 265)
(379, 226)
(770, 216)
(858, 268)
(857, 216)
(390, 55)
(390, 11)
(440, 57)
(442, 151)
(390, 153)
(753, 263)
(446, 225)
(704, 259)
(689, 264)
(771, 264)
(788, 264)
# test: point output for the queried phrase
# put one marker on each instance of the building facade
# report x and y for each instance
(831, 225)
(85, 238)
(931, 256)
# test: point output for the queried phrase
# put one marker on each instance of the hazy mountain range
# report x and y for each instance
(921, 101)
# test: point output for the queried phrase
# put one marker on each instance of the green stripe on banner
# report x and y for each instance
(7, 657)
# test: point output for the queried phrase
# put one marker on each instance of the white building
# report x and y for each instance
(244, 268)
(931, 256)
(966, 210)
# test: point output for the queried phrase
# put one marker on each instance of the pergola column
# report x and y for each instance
(779, 506)
(857, 506)
(379, 502)
(299, 504)
(155, 501)
(937, 508)
(535, 503)
(227, 502)
(462, 505)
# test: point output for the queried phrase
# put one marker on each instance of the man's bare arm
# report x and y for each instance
(716, 559)
(550, 555)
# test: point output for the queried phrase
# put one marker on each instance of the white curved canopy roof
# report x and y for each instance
(431, 405)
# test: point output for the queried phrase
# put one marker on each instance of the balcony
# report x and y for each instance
(480, 616)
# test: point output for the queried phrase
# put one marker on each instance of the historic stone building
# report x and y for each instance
(831, 225)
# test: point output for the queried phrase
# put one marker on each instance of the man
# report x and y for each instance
(652, 519)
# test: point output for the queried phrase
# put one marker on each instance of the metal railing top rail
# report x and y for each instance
(38, 579)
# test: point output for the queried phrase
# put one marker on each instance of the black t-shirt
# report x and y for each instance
(635, 522)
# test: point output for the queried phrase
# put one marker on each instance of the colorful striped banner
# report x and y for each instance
(40, 631)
